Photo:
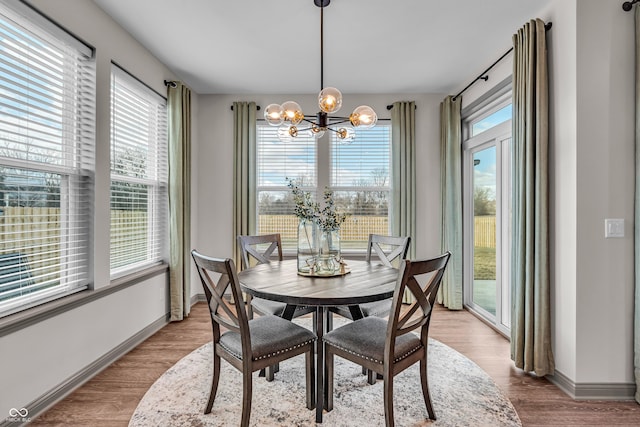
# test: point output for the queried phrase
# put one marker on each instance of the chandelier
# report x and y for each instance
(293, 122)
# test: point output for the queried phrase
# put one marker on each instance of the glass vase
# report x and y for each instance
(328, 261)
(308, 246)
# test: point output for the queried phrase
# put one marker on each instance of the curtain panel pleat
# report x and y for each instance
(636, 332)
(403, 158)
(450, 293)
(244, 183)
(530, 320)
(179, 111)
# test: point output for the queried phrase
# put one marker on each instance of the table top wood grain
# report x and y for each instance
(279, 281)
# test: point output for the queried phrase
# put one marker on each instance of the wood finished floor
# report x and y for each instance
(110, 398)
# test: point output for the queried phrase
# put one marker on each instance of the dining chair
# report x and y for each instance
(259, 250)
(248, 345)
(388, 347)
(390, 251)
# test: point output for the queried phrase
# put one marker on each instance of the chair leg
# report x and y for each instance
(328, 378)
(388, 399)
(214, 383)
(269, 373)
(371, 377)
(247, 385)
(425, 387)
(311, 379)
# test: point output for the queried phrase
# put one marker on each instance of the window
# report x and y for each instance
(47, 137)
(358, 173)
(138, 174)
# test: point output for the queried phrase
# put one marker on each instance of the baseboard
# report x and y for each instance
(47, 400)
(198, 298)
(593, 391)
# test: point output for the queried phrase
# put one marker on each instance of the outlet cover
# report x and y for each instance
(613, 228)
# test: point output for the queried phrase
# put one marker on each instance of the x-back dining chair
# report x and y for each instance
(259, 250)
(248, 345)
(388, 347)
(390, 250)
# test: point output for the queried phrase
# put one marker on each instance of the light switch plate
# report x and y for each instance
(613, 227)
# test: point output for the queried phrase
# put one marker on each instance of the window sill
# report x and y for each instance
(31, 316)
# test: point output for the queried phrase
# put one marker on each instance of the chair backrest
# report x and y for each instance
(422, 279)
(251, 247)
(217, 275)
(389, 249)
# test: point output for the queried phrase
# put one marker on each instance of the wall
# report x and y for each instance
(40, 357)
(215, 163)
(591, 151)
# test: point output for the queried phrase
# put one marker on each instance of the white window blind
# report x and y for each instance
(47, 137)
(360, 180)
(138, 174)
(275, 162)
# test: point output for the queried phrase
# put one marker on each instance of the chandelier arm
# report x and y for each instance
(345, 120)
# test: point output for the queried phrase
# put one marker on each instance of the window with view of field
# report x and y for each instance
(358, 173)
(138, 174)
(47, 137)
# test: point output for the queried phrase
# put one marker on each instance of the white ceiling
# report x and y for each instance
(370, 46)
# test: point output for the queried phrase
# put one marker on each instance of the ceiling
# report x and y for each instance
(370, 46)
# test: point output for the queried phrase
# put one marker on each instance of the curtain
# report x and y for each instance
(530, 315)
(636, 332)
(403, 184)
(244, 182)
(450, 293)
(179, 115)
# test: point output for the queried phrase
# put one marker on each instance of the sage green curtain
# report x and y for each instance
(450, 293)
(530, 314)
(179, 115)
(403, 158)
(244, 173)
(636, 331)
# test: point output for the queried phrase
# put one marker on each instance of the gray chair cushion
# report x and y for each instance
(366, 337)
(376, 308)
(270, 335)
(265, 306)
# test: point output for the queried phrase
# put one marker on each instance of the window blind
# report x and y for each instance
(47, 137)
(360, 180)
(139, 174)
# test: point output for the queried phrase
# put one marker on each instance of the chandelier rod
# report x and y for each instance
(322, 46)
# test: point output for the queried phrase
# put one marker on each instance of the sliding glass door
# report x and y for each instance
(486, 215)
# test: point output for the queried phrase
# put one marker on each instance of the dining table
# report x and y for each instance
(360, 282)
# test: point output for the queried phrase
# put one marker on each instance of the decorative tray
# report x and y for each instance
(337, 273)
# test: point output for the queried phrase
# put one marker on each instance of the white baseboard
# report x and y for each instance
(593, 391)
(55, 395)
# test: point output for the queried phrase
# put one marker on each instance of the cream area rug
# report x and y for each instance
(461, 392)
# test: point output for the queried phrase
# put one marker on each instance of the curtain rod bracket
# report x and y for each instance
(170, 83)
(484, 76)
(628, 5)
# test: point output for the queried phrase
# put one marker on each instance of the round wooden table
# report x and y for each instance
(280, 281)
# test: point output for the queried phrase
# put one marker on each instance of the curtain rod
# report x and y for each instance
(483, 75)
(257, 107)
(415, 107)
(628, 5)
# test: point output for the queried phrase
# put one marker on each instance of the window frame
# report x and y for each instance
(156, 182)
(74, 140)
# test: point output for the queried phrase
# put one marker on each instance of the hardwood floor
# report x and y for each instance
(110, 398)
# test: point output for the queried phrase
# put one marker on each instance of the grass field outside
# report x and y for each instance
(484, 278)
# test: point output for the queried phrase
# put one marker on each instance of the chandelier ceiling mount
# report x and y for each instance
(291, 120)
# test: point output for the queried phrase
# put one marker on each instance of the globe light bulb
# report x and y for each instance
(317, 131)
(273, 114)
(330, 100)
(363, 117)
(292, 112)
(284, 134)
(346, 135)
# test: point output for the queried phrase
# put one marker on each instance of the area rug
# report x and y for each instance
(461, 392)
